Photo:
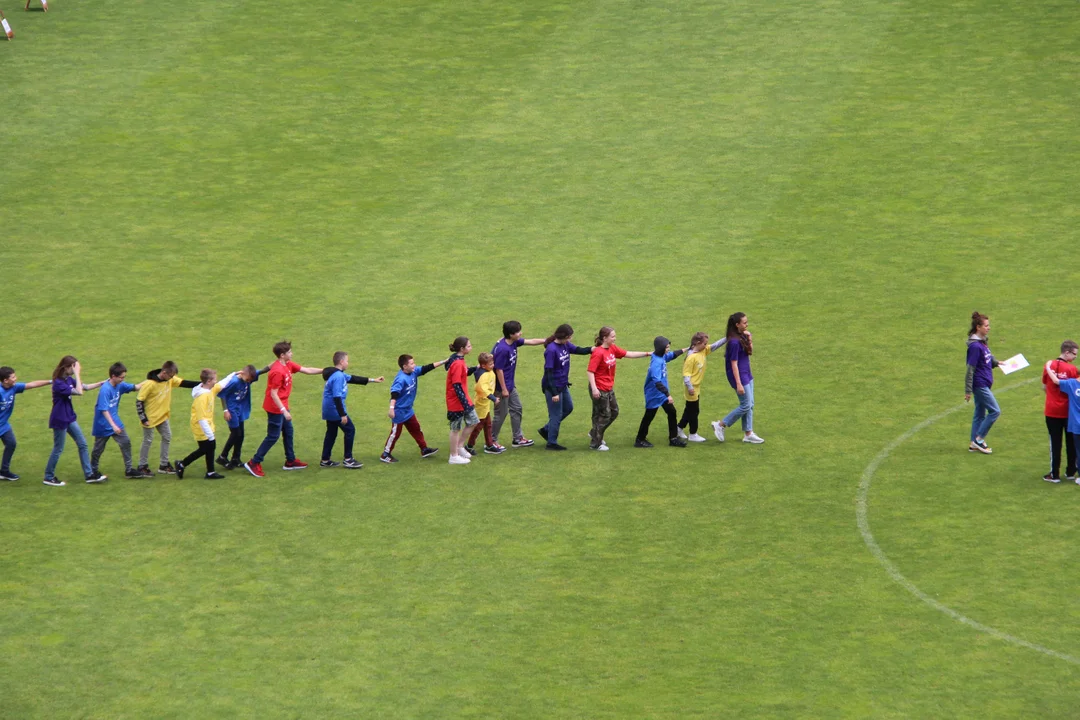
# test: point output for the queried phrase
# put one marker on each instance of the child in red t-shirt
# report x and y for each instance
(1057, 413)
(276, 405)
(605, 408)
(459, 407)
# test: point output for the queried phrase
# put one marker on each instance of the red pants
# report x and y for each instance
(485, 425)
(413, 426)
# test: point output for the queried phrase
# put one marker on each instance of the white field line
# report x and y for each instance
(862, 515)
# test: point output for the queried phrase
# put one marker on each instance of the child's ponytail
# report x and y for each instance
(459, 344)
(563, 332)
(603, 334)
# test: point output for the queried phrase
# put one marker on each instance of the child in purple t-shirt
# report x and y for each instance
(740, 347)
(67, 381)
(978, 381)
(556, 382)
(505, 353)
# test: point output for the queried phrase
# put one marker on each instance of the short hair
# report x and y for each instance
(510, 327)
(282, 347)
(251, 371)
(485, 358)
(6, 372)
(698, 337)
(339, 356)
(403, 360)
(1067, 346)
(169, 366)
(117, 369)
(207, 374)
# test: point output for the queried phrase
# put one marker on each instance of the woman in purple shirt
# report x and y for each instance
(740, 347)
(67, 381)
(556, 382)
(978, 381)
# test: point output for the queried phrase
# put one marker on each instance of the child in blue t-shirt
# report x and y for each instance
(658, 395)
(9, 388)
(107, 422)
(401, 413)
(334, 412)
(236, 400)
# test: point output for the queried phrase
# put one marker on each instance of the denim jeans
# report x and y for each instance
(557, 412)
(8, 439)
(276, 426)
(986, 414)
(59, 438)
(745, 411)
(332, 427)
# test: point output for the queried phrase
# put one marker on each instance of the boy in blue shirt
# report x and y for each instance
(402, 416)
(9, 388)
(107, 422)
(236, 400)
(1071, 388)
(334, 412)
(657, 394)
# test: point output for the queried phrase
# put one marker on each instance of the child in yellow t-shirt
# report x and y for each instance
(202, 422)
(693, 371)
(485, 397)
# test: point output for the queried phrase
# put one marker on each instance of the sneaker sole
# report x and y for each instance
(252, 472)
(294, 468)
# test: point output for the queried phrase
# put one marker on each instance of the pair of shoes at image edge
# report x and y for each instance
(979, 446)
(752, 437)
(1049, 477)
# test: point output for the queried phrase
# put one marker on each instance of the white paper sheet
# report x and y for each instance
(1016, 362)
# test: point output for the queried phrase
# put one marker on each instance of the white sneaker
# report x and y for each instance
(752, 438)
(694, 437)
(718, 429)
(464, 454)
(603, 446)
(457, 460)
(682, 433)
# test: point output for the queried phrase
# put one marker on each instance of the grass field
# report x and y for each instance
(195, 181)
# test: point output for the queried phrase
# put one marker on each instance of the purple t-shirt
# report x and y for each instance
(63, 414)
(506, 360)
(980, 358)
(557, 359)
(734, 351)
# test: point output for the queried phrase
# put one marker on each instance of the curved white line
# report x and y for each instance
(861, 514)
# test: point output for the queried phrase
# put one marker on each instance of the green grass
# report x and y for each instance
(196, 181)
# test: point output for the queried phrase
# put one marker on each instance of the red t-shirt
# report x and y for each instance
(602, 366)
(279, 378)
(457, 373)
(1057, 402)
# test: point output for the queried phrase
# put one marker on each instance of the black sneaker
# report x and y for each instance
(144, 470)
(93, 478)
(53, 482)
(353, 464)
(235, 464)
(9, 476)
(214, 476)
(428, 452)
(676, 442)
(388, 458)
(555, 446)
(494, 449)
(179, 470)
(166, 469)
(469, 449)
(133, 474)
(224, 463)
(1049, 477)
(642, 444)
(521, 442)
(542, 432)
(329, 463)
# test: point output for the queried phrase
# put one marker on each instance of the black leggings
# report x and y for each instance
(690, 415)
(234, 443)
(206, 448)
(643, 429)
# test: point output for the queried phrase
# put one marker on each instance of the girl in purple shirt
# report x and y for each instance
(556, 382)
(978, 381)
(740, 347)
(67, 381)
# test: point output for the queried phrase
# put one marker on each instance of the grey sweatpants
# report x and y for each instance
(148, 440)
(512, 405)
(99, 447)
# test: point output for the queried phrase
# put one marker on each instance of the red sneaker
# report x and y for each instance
(294, 465)
(254, 468)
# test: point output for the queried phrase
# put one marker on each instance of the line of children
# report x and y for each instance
(334, 412)
(153, 405)
(601, 374)
(202, 422)
(693, 371)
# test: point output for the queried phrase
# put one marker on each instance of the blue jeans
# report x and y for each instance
(8, 439)
(59, 438)
(276, 426)
(557, 412)
(987, 412)
(745, 409)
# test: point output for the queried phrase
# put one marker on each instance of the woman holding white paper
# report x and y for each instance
(979, 380)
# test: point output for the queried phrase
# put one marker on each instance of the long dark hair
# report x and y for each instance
(61, 367)
(562, 332)
(977, 319)
(733, 332)
(603, 333)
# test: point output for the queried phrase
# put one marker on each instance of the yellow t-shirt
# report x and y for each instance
(156, 398)
(484, 386)
(202, 408)
(693, 367)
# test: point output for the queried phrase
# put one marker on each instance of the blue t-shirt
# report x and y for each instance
(506, 360)
(7, 405)
(657, 374)
(1071, 388)
(405, 386)
(734, 351)
(337, 386)
(237, 397)
(108, 401)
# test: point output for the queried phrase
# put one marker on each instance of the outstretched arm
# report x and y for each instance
(718, 344)
(94, 385)
(635, 354)
(535, 341)
(37, 383)
(311, 371)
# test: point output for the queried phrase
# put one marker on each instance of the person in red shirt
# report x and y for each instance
(459, 407)
(1057, 413)
(276, 405)
(605, 408)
